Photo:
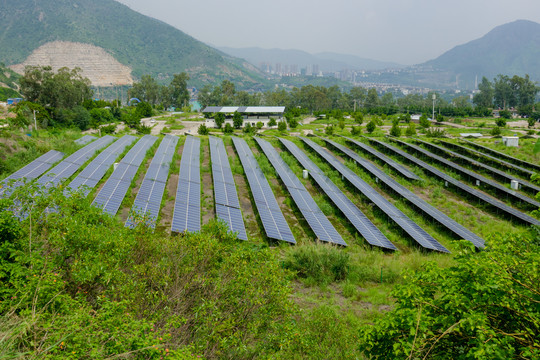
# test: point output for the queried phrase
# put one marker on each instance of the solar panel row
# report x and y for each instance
(225, 194)
(431, 211)
(85, 140)
(398, 167)
(319, 223)
(501, 155)
(524, 185)
(73, 162)
(187, 208)
(490, 183)
(410, 227)
(30, 172)
(450, 180)
(148, 200)
(491, 159)
(274, 222)
(94, 172)
(355, 216)
(113, 192)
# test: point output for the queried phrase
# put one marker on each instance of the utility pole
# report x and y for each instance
(35, 121)
(433, 114)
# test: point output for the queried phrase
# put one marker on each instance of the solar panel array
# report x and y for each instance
(501, 155)
(492, 159)
(94, 172)
(225, 194)
(72, 163)
(319, 223)
(495, 185)
(410, 227)
(85, 140)
(355, 216)
(148, 200)
(398, 167)
(428, 209)
(113, 192)
(450, 180)
(30, 172)
(274, 222)
(187, 208)
(525, 185)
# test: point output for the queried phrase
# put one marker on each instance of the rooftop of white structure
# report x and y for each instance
(245, 109)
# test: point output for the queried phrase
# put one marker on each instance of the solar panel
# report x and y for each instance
(85, 140)
(410, 227)
(150, 194)
(428, 209)
(94, 172)
(355, 216)
(113, 192)
(501, 155)
(450, 180)
(274, 223)
(398, 167)
(523, 184)
(187, 207)
(30, 172)
(319, 223)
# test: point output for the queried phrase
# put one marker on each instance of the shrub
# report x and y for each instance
(228, 129)
(440, 118)
(356, 130)
(293, 123)
(496, 131)
(219, 119)
(272, 122)
(282, 126)
(424, 122)
(203, 130)
(411, 130)
(371, 126)
(395, 130)
(341, 124)
(505, 114)
(501, 122)
(329, 130)
(435, 133)
(358, 117)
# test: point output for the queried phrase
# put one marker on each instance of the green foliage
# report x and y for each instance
(424, 122)
(100, 116)
(228, 129)
(505, 114)
(329, 130)
(501, 122)
(371, 126)
(143, 110)
(439, 118)
(259, 125)
(411, 130)
(282, 126)
(358, 117)
(435, 133)
(202, 130)
(496, 131)
(84, 286)
(219, 118)
(537, 147)
(319, 263)
(356, 130)
(395, 130)
(238, 120)
(486, 306)
(248, 129)
(532, 121)
(293, 123)
(272, 122)
(341, 124)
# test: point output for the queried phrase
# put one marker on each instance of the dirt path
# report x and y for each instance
(208, 210)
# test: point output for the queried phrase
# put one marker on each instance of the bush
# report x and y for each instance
(329, 130)
(282, 126)
(505, 114)
(272, 122)
(109, 129)
(440, 118)
(411, 130)
(320, 263)
(203, 130)
(435, 133)
(219, 119)
(395, 130)
(293, 123)
(228, 129)
(483, 307)
(358, 117)
(501, 122)
(496, 131)
(371, 126)
(356, 130)
(341, 124)
(424, 122)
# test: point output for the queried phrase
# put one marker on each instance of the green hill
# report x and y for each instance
(145, 44)
(511, 49)
(8, 83)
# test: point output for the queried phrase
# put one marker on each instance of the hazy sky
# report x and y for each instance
(403, 31)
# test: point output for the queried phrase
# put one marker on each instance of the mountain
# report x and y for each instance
(50, 29)
(510, 49)
(8, 83)
(327, 61)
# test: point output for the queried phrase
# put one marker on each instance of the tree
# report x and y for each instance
(424, 122)
(178, 91)
(228, 129)
(248, 129)
(496, 131)
(341, 124)
(358, 117)
(439, 118)
(238, 120)
(282, 125)
(504, 96)
(63, 89)
(259, 125)
(484, 306)
(411, 130)
(293, 123)
(371, 126)
(329, 130)
(395, 130)
(501, 122)
(143, 110)
(147, 90)
(272, 122)
(372, 99)
(484, 98)
(202, 130)
(219, 118)
(356, 130)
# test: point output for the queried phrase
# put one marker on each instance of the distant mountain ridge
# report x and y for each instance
(510, 49)
(144, 44)
(326, 61)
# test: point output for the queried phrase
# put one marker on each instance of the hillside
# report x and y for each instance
(509, 49)
(327, 62)
(145, 45)
(8, 83)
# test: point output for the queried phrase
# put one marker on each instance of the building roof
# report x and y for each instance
(246, 109)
